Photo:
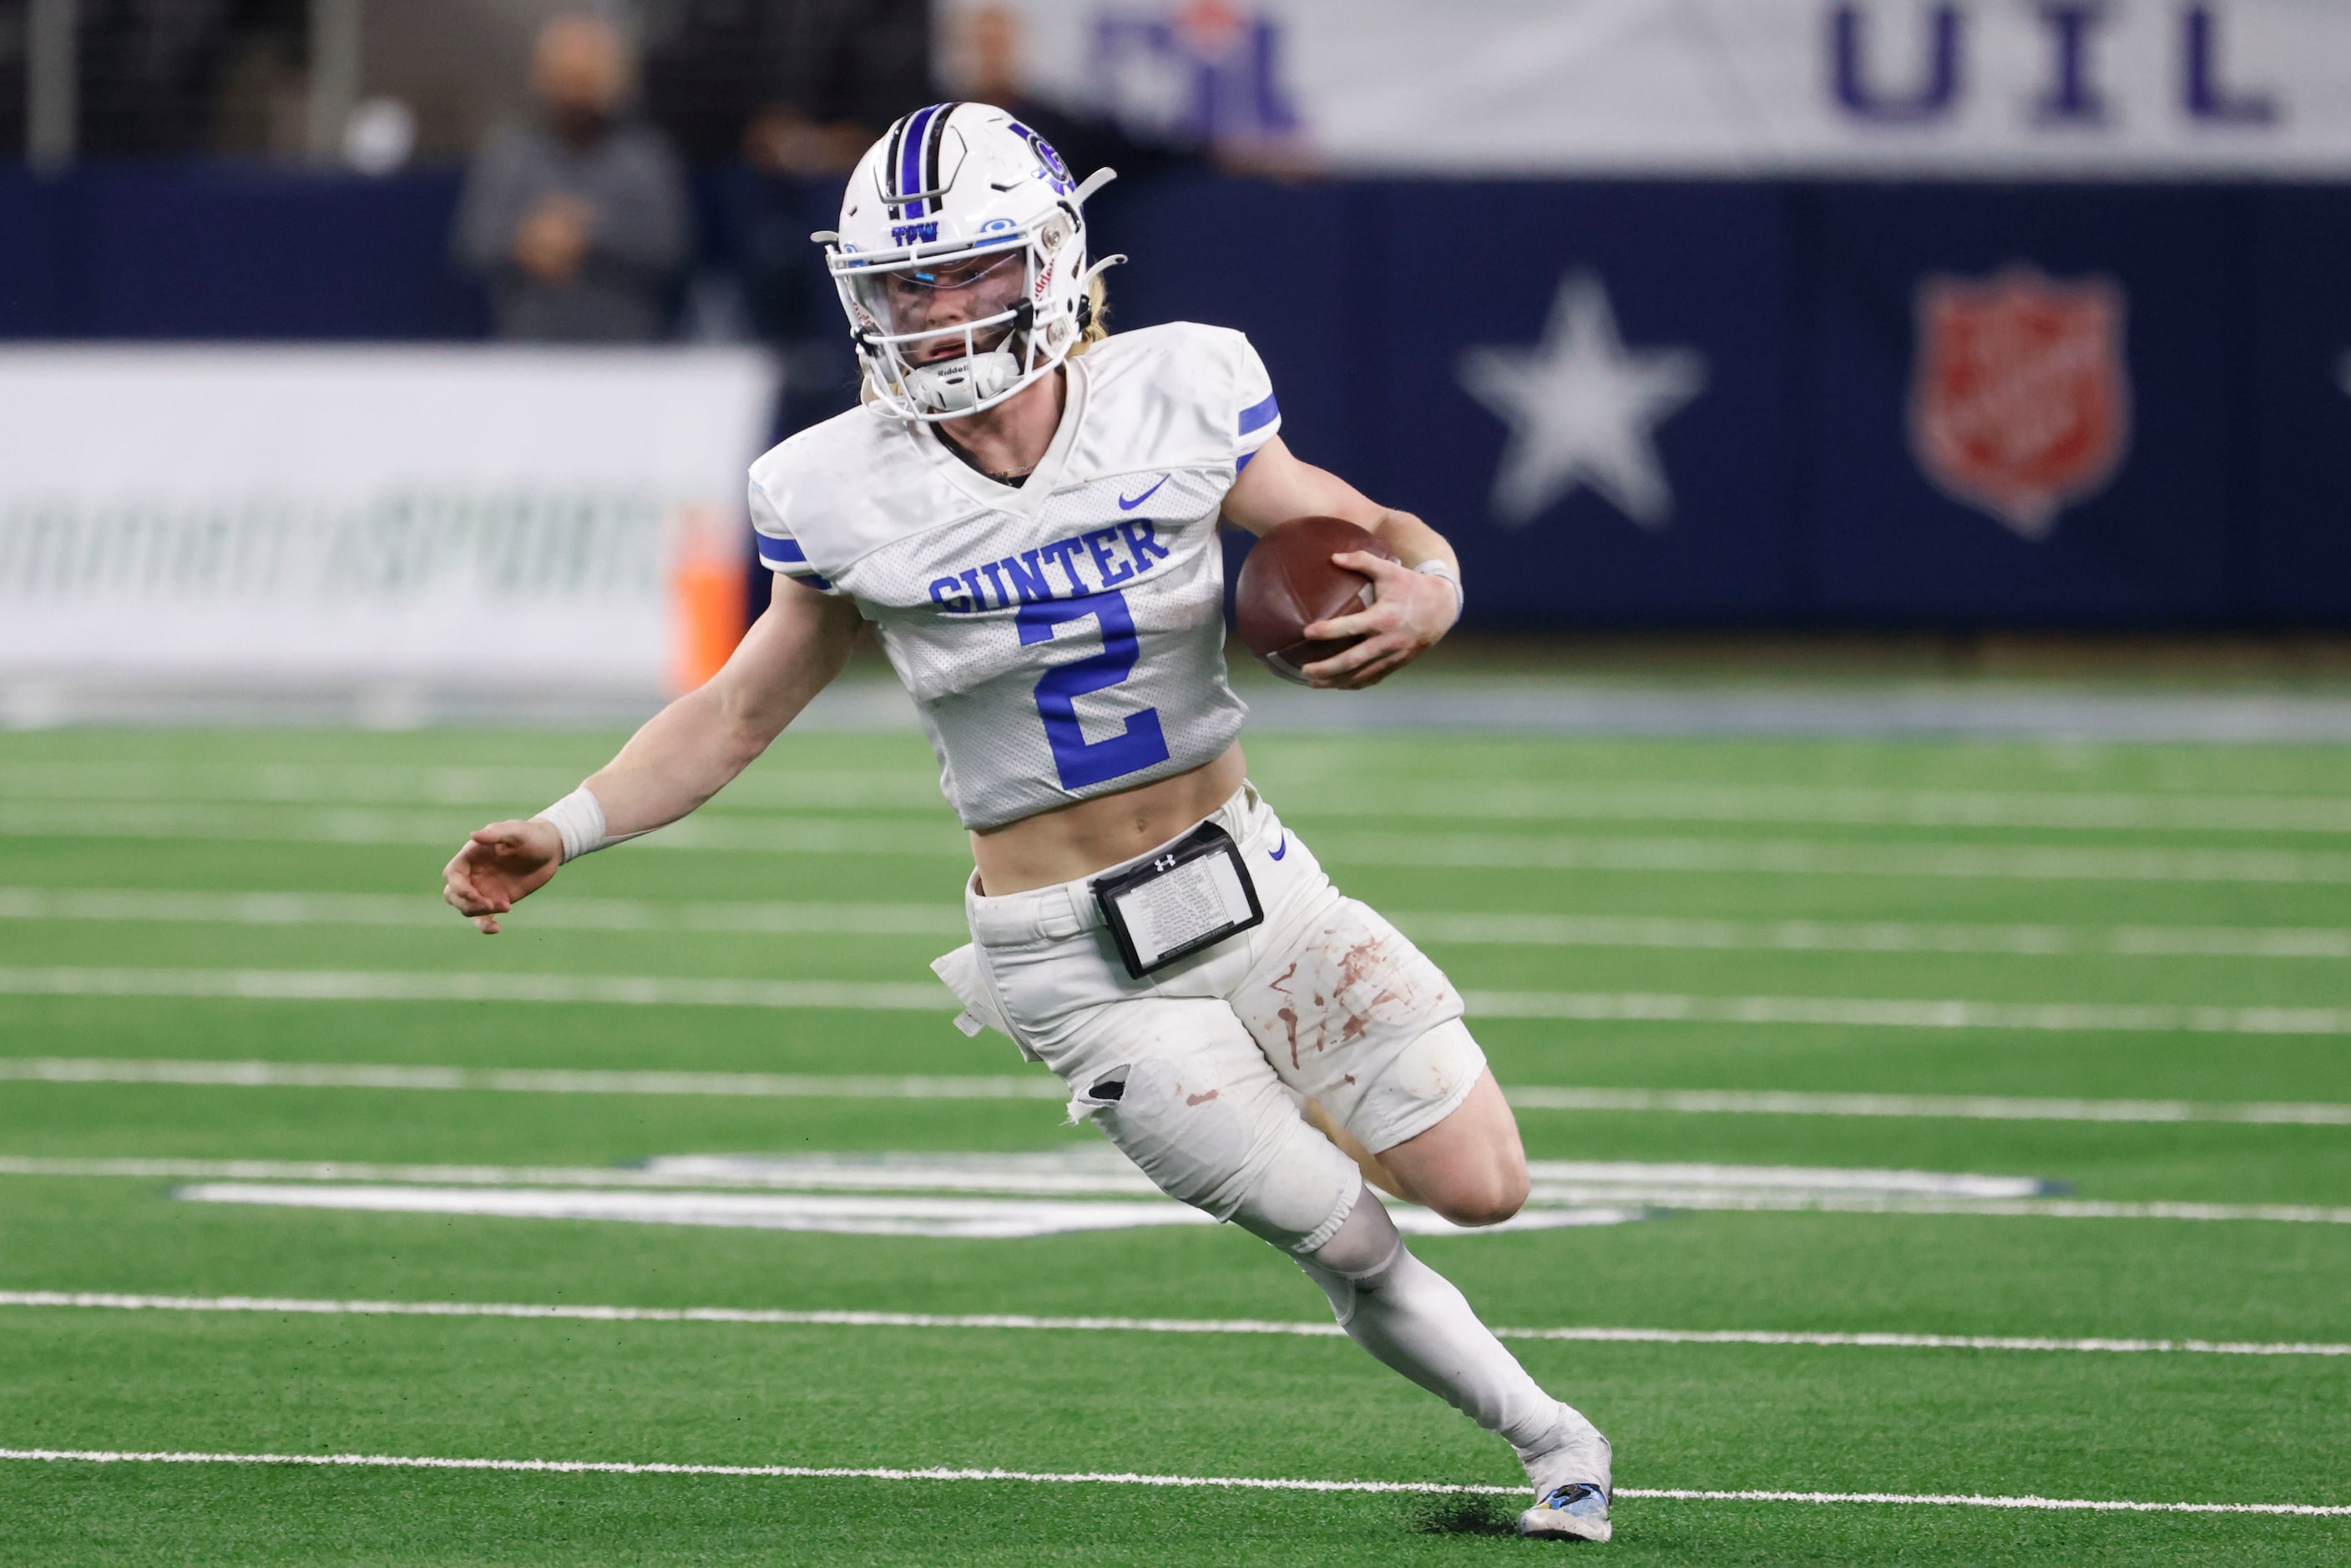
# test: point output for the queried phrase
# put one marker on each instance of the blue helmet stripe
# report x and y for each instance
(897, 140)
(910, 157)
(936, 142)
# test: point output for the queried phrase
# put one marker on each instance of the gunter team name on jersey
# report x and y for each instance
(1120, 553)
(1057, 644)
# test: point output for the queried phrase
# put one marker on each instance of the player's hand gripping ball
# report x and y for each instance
(1289, 582)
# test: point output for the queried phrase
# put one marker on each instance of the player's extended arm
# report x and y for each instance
(685, 754)
(1412, 609)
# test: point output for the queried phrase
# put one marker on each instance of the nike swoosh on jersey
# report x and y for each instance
(1279, 850)
(1126, 506)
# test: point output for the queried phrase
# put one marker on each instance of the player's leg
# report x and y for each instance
(1185, 1091)
(1354, 1017)
(1470, 1167)
(1413, 1319)
(1189, 1088)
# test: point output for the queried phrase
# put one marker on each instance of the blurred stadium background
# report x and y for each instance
(1887, 803)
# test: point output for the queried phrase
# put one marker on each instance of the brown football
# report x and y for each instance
(1288, 583)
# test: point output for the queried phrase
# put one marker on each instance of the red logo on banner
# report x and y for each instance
(2019, 403)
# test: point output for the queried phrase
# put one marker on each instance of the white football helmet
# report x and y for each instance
(961, 260)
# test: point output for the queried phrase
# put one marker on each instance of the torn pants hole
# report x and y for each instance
(1107, 1089)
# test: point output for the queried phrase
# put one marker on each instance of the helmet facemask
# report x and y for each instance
(959, 330)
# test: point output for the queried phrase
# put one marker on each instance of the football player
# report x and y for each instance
(1026, 510)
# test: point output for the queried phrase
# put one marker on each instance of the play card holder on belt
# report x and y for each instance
(1190, 895)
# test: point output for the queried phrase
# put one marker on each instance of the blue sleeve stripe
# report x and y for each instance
(781, 552)
(813, 580)
(1243, 460)
(1258, 415)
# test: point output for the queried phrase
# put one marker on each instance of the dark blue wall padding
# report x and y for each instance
(2157, 544)
(2296, 442)
(1796, 497)
(1698, 268)
(232, 251)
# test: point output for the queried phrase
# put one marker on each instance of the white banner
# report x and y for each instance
(1969, 87)
(448, 517)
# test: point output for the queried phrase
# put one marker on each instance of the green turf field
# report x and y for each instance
(1692, 954)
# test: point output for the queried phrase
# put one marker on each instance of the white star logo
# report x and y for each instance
(1582, 410)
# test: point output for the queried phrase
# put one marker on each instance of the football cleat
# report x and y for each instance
(1577, 1510)
(1573, 1474)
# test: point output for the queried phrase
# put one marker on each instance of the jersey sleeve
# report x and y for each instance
(778, 551)
(1257, 417)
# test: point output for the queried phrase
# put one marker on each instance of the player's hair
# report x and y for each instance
(1097, 329)
(1097, 315)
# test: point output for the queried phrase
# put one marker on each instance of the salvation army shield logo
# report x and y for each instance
(2020, 403)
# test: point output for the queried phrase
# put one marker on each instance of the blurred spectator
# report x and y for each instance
(12, 65)
(578, 224)
(986, 55)
(792, 87)
(150, 73)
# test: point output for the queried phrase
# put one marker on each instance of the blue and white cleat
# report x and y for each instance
(1573, 1472)
(1577, 1510)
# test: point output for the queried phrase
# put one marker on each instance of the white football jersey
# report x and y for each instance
(1064, 639)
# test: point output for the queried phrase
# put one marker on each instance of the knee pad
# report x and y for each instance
(1237, 1151)
(1359, 1257)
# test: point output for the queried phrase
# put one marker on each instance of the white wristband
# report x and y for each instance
(580, 817)
(1446, 574)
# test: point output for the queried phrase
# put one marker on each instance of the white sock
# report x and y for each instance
(1413, 1319)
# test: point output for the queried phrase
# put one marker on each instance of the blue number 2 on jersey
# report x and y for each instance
(1080, 762)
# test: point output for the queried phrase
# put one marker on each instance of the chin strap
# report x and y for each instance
(956, 385)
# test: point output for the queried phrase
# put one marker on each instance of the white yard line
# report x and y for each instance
(525, 1080)
(1129, 1478)
(1665, 800)
(1815, 857)
(1958, 1107)
(818, 1086)
(723, 830)
(1454, 929)
(1566, 1204)
(369, 909)
(445, 986)
(583, 1312)
(924, 837)
(1612, 1006)
(496, 790)
(503, 789)
(1868, 1012)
